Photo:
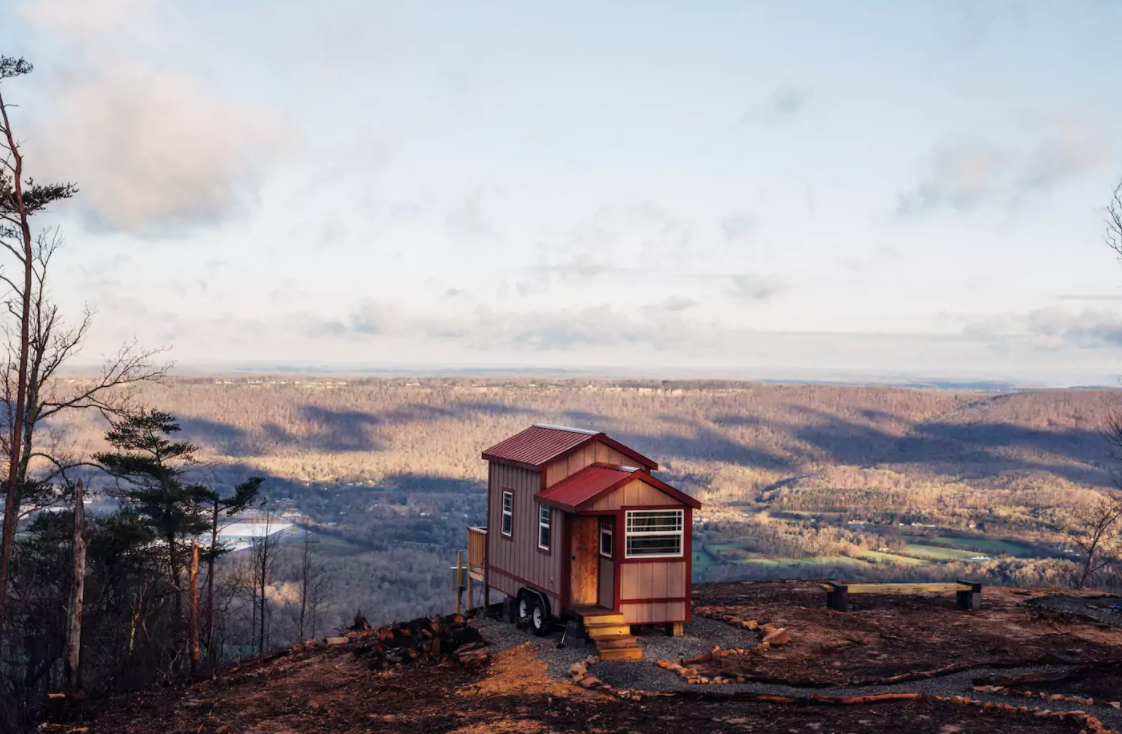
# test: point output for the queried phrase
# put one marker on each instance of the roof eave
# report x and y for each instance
(511, 462)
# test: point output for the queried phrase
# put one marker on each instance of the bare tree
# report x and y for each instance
(1094, 532)
(20, 199)
(314, 584)
(52, 344)
(77, 593)
(1113, 234)
(264, 562)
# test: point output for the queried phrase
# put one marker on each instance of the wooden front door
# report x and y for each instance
(585, 569)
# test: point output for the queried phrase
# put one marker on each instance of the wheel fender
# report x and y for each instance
(535, 593)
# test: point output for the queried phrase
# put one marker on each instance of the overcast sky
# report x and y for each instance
(725, 186)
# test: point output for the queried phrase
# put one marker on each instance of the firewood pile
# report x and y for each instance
(435, 640)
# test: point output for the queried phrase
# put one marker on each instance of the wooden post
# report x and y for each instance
(970, 601)
(486, 598)
(673, 629)
(459, 581)
(838, 598)
(471, 593)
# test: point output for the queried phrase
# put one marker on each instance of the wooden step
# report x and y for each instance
(622, 653)
(603, 618)
(607, 630)
(603, 643)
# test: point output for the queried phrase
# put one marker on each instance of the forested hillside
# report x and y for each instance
(389, 474)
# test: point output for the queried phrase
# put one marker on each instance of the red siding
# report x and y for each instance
(515, 561)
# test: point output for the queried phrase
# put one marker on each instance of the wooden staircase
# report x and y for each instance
(611, 635)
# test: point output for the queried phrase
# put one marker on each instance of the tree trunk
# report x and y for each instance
(11, 502)
(77, 594)
(261, 598)
(305, 570)
(193, 608)
(210, 650)
(180, 628)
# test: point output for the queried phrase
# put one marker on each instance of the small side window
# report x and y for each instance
(607, 526)
(543, 527)
(508, 513)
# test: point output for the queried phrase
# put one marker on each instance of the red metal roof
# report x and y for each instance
(573, 491)
(540, 443)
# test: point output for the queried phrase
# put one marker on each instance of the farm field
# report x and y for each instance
(940, 552)
(880, 557)
(988, 546)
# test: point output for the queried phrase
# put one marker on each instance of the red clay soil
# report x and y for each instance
(333, 690)
(889, 635)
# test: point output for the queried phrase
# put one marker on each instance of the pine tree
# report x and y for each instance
(153, 477)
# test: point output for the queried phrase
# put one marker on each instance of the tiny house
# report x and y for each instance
(578, 526)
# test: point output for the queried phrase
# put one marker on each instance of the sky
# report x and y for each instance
(718, 188)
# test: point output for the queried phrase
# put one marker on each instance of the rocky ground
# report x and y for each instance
(523, 685)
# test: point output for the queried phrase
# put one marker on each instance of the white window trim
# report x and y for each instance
(547, 514)
(507, 513)
(607, 528)
(659, 533)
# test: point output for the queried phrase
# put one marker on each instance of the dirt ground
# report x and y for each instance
(1102, 683)
(883, 636)
(321, 691)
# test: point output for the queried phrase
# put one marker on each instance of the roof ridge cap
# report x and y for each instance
(570, 429)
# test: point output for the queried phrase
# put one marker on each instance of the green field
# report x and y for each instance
(715, 547)
(987, 546)
(799, 562)
(940, 552)
(879, 557)
(702, 562)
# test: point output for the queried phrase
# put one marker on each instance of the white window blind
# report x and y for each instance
(654, 533)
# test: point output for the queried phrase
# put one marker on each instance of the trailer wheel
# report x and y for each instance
(524, 606)
(539, 618)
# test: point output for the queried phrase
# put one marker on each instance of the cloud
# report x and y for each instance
(1089, 328)
(880, 256)
(675, 304)
(738, 227)
(757, 287)
(660, 326)
(961, 174)
(1089, 297)
(966, 173)
(1072, 148)
(154, 147)
(1053, 328)
(784, 103)
(627, 238)
(468, 219)
(375, 318)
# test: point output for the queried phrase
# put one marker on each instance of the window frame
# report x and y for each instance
(545, 512)
(679, 533)
(507, 532)
(608, 529)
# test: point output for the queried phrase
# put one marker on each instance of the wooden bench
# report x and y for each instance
(969, 594)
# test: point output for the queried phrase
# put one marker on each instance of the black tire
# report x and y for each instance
(540, 622)
(523, 607)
